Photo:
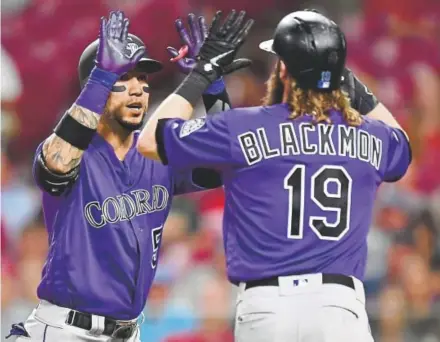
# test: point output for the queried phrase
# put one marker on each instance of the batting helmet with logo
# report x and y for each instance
(87, 59)
(313, 48)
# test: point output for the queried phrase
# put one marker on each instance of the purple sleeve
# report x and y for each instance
(398, 156)
(35, 163)
(202, 142)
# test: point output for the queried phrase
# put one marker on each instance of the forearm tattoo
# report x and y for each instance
(59, 155)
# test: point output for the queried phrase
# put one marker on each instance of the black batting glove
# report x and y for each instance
(361, 98)
(217, 55)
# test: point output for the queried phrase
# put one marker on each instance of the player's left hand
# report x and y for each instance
(192, 41)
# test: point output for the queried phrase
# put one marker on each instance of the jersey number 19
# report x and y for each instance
(339, 202)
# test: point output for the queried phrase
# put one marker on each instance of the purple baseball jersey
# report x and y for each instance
(105, 232)
(299, 195)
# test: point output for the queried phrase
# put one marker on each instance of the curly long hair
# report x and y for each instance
(311, 102)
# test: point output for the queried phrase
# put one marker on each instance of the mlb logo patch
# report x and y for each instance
(324, 82)
(299, 282)
(132, 48)
(191, 126)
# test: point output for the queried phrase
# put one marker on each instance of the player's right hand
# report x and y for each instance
(113, 55)
(222, 44)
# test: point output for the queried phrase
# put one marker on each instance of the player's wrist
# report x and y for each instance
(208, 70)
(104, 77)
(97, 90)
(193, 87)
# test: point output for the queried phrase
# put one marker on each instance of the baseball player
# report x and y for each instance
(300, 175)
(104, 204)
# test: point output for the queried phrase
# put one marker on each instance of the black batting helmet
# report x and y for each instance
(313, 49)
(87, 59)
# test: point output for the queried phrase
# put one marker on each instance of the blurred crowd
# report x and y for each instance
(394, 47)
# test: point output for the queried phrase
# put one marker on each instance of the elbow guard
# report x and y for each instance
(53, 183)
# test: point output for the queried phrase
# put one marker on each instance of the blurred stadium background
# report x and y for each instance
(393, 47)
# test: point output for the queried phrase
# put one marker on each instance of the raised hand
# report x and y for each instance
(113, 55)
(192, 41)
(223, 42)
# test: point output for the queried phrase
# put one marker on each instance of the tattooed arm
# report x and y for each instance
(103, 62)
(56, 163)
(59, 155)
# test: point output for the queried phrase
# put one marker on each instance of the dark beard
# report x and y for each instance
(116, 122)
(130, 127)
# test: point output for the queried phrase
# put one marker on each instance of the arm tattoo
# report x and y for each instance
(59, 155)
(84, 116)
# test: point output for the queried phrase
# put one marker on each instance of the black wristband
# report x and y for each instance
(194, 85)
(73, 132)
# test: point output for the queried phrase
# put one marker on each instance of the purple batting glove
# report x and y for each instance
(112, 53)
(186, 57)
(192, 42)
